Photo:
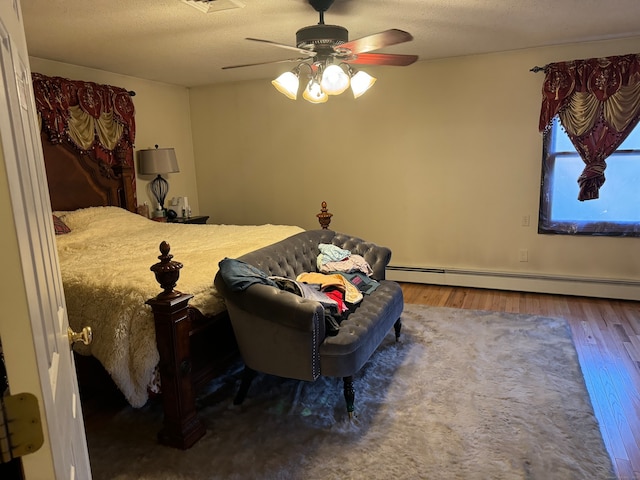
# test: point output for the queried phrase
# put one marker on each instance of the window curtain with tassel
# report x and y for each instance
(96, 119)
(598, 103)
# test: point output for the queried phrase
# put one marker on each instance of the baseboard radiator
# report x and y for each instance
(522, 282)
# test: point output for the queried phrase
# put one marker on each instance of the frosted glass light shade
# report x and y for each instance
(361, 82)
(334, 80)
(287, 84)
(314, 94)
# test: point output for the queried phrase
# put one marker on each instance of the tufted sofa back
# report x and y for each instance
(298, 253)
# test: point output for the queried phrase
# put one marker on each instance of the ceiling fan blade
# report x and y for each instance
(376, 41)
(298, 60)
(282, 45)
(390, 59)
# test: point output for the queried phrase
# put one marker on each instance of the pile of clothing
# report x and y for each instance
(339, 284)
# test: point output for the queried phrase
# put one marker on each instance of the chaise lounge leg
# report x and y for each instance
(349, 394)
(248, 374)
(397, 327)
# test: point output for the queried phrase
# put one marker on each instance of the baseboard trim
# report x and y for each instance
(523, 282)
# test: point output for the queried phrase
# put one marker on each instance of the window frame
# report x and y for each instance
(589, 228)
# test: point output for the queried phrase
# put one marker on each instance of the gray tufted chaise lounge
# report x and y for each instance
(280, 333)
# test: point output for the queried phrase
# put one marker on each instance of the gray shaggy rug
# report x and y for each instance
(464, 395)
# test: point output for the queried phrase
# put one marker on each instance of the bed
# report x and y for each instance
(184, 339)
(105, 260)
(144, 329)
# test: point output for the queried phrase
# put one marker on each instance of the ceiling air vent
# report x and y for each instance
(210, 6)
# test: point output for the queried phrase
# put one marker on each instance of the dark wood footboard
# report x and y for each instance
(181, 425)
(193, 349)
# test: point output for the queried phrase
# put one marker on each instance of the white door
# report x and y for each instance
(33, 330)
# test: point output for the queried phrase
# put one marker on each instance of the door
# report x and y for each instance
(33, 324)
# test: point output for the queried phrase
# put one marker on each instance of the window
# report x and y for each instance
(616, 212)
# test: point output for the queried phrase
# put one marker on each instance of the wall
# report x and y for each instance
(162, 118)
(440, 161)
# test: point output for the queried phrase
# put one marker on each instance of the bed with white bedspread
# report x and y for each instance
(105, 260)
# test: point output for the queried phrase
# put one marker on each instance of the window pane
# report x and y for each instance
(619, 197)
(632, 142)
(560, 141)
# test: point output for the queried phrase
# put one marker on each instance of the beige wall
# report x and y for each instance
(162, 118)
(439, 160)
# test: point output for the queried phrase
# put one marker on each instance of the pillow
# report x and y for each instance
(59, 226)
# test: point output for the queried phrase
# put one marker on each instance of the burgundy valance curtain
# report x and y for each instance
(598, 103)
(95, 118)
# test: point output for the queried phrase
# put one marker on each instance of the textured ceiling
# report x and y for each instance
(169, 41)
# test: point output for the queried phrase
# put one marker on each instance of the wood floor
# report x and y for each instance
(607, 337)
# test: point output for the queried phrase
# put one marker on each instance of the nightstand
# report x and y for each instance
(201, 219)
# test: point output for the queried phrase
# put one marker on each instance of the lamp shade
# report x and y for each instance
(314, 94)
(361, 82)
(287, 84)
(334, 80)
(157, 161)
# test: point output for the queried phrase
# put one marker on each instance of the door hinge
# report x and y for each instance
(20, 426)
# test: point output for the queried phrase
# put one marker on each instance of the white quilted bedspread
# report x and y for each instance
(105, 263)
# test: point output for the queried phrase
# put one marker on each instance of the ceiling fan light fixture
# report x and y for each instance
(361, 82)
(334, 80)
(314, 94)
(327, 51)
(287, 84)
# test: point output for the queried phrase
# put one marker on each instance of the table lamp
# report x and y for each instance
(158, 161)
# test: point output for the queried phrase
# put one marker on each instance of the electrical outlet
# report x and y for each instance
(526, 220)
(523, 255)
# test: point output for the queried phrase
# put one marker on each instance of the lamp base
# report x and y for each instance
(159, 187)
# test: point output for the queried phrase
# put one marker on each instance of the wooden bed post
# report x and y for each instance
(182, 427)
(324, 217)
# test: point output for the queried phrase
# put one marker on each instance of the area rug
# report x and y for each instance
(464, 395)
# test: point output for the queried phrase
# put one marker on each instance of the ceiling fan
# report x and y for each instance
(327, 51)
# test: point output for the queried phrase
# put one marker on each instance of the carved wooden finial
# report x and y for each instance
(324, 217)
(167, 272)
